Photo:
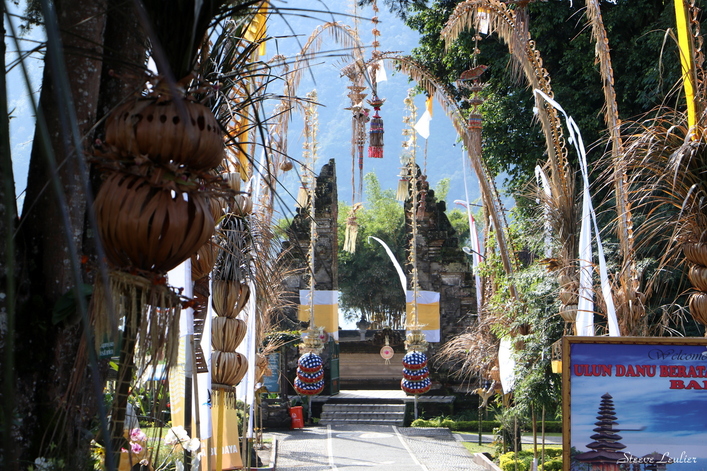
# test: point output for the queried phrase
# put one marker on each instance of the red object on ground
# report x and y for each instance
(297, 417)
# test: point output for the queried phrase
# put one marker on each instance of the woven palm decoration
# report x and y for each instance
(351, 229)
(375, 139)
(167, 130)
(469, 79)
(359, 118)
(153, 212)
(310, 368)
(415, 372)
(230, 294)
(150, 226)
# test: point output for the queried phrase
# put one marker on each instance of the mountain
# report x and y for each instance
(441, 152)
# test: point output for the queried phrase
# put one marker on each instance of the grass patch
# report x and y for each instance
(474, 447)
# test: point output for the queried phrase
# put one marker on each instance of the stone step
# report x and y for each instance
(363, 408)
(343, 413)
(362, 415)
(363, 421)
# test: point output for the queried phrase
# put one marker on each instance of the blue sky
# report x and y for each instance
(444, 154)
(667, 420)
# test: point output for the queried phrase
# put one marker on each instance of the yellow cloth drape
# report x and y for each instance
(326, 310)
(427, 313)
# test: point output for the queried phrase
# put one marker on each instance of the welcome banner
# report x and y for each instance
(635, 401)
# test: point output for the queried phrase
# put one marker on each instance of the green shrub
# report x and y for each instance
(553, 452)
(553, 462)
(473, 425)
(551, 465)
(449, 423)
(507, 461)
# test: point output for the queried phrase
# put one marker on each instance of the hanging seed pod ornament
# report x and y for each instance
(150, 226)
(166, 129)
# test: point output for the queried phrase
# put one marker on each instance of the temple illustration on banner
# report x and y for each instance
(606, 454)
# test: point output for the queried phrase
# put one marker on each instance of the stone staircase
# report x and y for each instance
(349, 413)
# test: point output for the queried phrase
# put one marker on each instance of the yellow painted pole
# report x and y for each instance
(219, 428)
(688, 66)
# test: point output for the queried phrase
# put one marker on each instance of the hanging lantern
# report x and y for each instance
(375, 140)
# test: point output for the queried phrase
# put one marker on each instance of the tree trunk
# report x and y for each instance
(53, 418)
(8, 224)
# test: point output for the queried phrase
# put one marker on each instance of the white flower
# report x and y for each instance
(179, 466)
(176, 435)
(42, 464)
(192, 445)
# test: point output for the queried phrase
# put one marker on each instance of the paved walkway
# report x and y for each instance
(376, 447)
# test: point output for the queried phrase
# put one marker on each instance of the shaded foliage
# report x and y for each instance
(368, 281)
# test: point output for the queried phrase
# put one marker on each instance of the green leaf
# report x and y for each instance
(66, 307)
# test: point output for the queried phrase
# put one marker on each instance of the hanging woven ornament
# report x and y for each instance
(469, 79)
(351, 229)
(360, 119)
(375, 137)
(310, 375)
(375, 142)
(302, 197)
(415, 373)
(403, 190)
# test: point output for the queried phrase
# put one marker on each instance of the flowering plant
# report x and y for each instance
(177, 436)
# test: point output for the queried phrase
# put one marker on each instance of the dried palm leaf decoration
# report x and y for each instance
(416, 379)
(150, 226)
(310, 377)
(166, 129)
(359, 117)
(230, 294)
(351, 229)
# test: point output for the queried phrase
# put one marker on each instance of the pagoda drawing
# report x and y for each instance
(606, 454)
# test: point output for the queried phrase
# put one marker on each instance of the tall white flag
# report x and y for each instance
(423, 124)
(585, 308)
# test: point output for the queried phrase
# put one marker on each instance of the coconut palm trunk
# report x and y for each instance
(46, 353)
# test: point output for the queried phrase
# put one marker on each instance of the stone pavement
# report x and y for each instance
(376, 447)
